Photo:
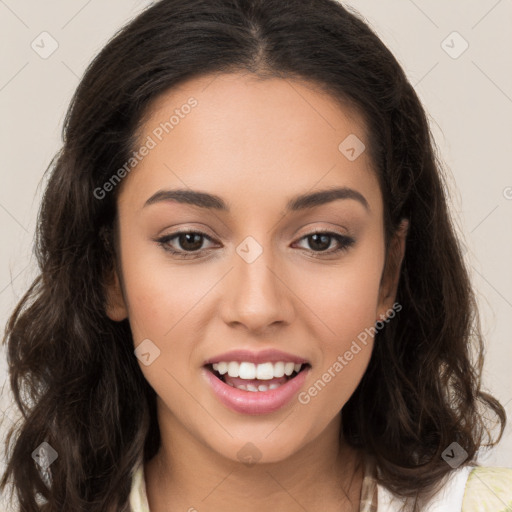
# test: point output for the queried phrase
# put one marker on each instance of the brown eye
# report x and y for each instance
(320, 241)
(190, 241)
(184, 244)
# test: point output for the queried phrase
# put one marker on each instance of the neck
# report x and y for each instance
(325, 474)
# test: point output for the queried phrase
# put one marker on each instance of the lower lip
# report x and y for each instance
(256, 402)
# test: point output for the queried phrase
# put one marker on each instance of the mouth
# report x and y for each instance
(256, 378)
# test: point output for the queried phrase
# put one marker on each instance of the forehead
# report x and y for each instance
(235, 133)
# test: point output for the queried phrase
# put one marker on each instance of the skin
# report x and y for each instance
(255, 143)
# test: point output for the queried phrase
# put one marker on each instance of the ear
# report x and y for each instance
(391, 272)
(115, 305)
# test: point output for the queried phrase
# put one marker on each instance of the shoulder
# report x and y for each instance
(466, 489)
(488, 489)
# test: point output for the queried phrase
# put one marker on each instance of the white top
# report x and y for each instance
(466, 489)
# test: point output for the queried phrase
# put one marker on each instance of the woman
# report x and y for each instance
(251, 295)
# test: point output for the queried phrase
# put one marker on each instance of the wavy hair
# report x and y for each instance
(72, 370)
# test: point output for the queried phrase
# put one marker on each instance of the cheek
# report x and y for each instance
(345, 298)
(345, 304)
(161, 295)
(347, 309)
(331, 387)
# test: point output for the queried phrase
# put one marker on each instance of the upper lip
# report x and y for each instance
(263, 356)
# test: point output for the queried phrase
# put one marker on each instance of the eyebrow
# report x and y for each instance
(297, 203)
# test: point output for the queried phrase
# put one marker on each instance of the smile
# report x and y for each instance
(252, 387)
(248, 376)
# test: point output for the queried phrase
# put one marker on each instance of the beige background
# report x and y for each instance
(468, 98)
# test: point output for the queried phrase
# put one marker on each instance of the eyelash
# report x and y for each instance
(344, 242)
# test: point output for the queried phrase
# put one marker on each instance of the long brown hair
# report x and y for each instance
(72, 370)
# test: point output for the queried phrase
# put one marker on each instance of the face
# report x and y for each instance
(262, 280)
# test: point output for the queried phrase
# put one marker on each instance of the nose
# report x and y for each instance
(256, 296)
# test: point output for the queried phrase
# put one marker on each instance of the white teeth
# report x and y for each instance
(265, 371)
(222, 367)
(288, 368)
(251, 387)
(233, 369)
(249, 371)
(279, 369)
